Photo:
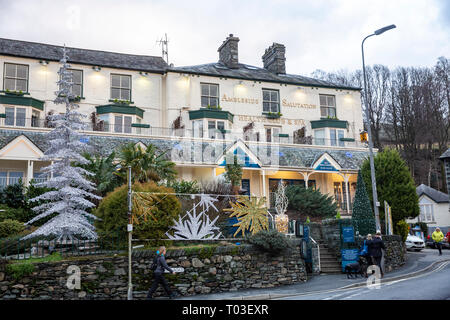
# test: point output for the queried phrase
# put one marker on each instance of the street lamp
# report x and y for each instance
(369, 131)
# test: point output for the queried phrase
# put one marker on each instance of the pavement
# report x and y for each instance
(416, 263)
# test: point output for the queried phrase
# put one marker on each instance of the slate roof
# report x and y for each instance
(41, 51)
(446, 154)
(248, 72)
(431, 193)
(289, 156)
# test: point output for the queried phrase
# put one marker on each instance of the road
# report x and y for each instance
(431, 285)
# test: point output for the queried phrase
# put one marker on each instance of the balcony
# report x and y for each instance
(146, 130)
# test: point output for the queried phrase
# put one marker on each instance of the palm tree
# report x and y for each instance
(146, 165)
(103, 169)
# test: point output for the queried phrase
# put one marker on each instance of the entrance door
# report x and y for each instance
(245, 184)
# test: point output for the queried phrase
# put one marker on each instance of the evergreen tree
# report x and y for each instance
(67, 199)
(310, 202)
(394, 185)
(362, 213)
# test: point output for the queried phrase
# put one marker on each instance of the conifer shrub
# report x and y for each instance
(362, 214)
(310, 202)
(270, 241)
(395, 185)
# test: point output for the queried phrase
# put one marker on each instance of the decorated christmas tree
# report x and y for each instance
(67, 202)
(363, 217)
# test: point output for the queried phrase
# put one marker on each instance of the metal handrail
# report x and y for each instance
(318, 250)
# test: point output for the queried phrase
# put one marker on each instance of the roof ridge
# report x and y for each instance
(59, 46)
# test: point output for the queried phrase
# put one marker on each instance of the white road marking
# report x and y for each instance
(354, 295)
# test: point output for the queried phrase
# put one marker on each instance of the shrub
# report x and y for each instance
(272, 241)
(19, 214)
(113, 213)
(13, 196)
(310, 202)
(20, 270)
(183, 186)
(402, 229)
(10, 227)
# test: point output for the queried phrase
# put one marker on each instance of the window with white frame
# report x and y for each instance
(335, 137)
(15, 116)
(197, 128)
(10, 178)
(327, 106)
(120, 87)
(319, 137)
(271, 101)
(77, 79)
(272, 134)
(426, 212)
(216, 129)
(122, 124)
(209, 94)
(15, 77)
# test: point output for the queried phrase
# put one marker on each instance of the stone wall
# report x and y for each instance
(217, 269)
(395, 253)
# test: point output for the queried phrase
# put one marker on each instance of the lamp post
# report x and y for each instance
(130, 230)
(369, 130)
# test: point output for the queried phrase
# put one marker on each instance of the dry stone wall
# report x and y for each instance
(217, 269)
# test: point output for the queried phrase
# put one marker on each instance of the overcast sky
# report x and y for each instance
(319, 34)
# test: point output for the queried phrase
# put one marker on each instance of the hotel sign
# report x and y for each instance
(239, 100)
(296, 122)
(286, 103)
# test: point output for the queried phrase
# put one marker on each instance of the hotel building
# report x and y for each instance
(280, 125)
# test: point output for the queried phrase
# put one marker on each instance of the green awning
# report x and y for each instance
(210, 114)
(328, 123)
(120, 108)
(22, 101)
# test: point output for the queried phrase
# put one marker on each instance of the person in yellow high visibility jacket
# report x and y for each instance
(438, 236)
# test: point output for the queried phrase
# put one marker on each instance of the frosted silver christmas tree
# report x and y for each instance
(195, 226)
(71, 188)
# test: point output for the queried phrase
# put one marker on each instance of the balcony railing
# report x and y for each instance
(216, 134)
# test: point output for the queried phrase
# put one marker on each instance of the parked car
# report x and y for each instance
(414, 243)
(430, 243)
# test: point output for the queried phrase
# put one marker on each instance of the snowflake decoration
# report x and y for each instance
(195, 226)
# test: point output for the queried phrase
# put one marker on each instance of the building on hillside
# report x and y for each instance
(280, 125)
(433, 209)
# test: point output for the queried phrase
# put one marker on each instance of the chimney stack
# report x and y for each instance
(274, 58)
(228, 52)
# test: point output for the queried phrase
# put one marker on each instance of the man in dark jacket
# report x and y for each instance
(158, 275)
(374, 248)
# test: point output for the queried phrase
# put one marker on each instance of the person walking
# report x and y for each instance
(438, 236)
(374, 247)
(364, 250)
(161, 265)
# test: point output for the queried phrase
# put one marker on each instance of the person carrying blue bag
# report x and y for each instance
(364, 250)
